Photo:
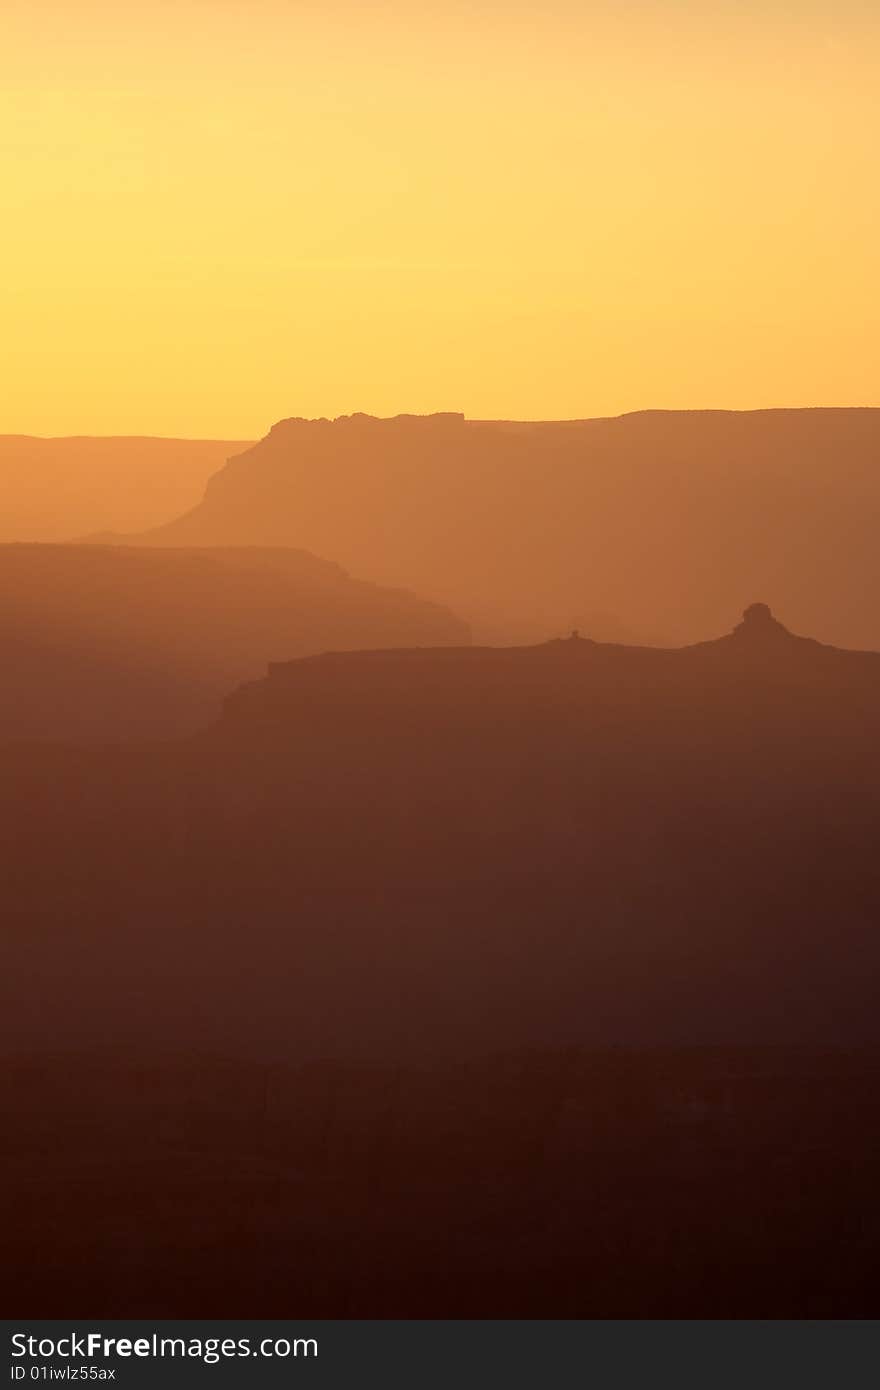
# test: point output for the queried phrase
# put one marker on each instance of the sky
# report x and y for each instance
(217, 213)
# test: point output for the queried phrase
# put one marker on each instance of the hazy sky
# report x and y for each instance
(219, 212)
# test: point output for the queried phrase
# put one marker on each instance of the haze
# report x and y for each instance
(440, 721)
(213, 213)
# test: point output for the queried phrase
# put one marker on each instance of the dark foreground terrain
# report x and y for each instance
(671, 1183)
(521, 982)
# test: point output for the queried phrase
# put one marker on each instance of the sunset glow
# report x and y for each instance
(218, 214)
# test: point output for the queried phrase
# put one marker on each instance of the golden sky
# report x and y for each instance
(216, 213)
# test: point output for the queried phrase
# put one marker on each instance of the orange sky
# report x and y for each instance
(220, 212)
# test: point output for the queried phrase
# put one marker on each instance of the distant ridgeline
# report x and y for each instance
(652, 524)
(102, 642)
(58, 489)
(406, 853)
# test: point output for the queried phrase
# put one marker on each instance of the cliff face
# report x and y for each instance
(660, 519)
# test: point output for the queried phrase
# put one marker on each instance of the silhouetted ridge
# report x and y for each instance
(423, 852)
(565, 677)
